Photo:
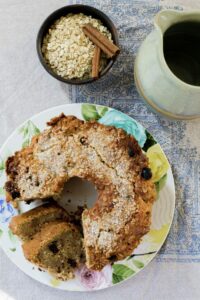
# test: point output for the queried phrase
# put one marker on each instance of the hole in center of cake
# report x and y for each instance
(78, 193)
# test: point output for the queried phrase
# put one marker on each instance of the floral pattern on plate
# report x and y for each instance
(163, 209)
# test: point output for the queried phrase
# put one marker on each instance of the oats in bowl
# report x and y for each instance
(68, 51)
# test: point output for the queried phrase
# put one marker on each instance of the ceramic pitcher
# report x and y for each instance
(159, 86)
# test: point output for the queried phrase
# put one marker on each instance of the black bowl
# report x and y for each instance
(77, 8)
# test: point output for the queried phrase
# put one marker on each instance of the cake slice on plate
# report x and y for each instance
(29, 223)
(57, 248)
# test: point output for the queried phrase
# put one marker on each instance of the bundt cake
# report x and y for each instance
(104, 155)
(57, 248)
(29, 223)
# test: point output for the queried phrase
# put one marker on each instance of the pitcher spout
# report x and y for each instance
(166, 18)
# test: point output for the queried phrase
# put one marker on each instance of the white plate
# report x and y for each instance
(163, 208)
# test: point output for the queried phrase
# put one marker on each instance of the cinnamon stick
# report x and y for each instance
(95, 62)
(101, 41)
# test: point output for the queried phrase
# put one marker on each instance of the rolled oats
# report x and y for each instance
(68, 51)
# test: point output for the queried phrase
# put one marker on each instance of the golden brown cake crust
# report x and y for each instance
(101, 155)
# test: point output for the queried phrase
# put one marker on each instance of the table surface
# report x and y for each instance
(26, 89)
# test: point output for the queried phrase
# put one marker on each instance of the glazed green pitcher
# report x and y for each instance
(167, 67)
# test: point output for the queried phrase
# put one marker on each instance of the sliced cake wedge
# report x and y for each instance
(29, 223)
(57, 248)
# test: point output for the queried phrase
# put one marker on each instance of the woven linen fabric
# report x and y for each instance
(26, 88)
